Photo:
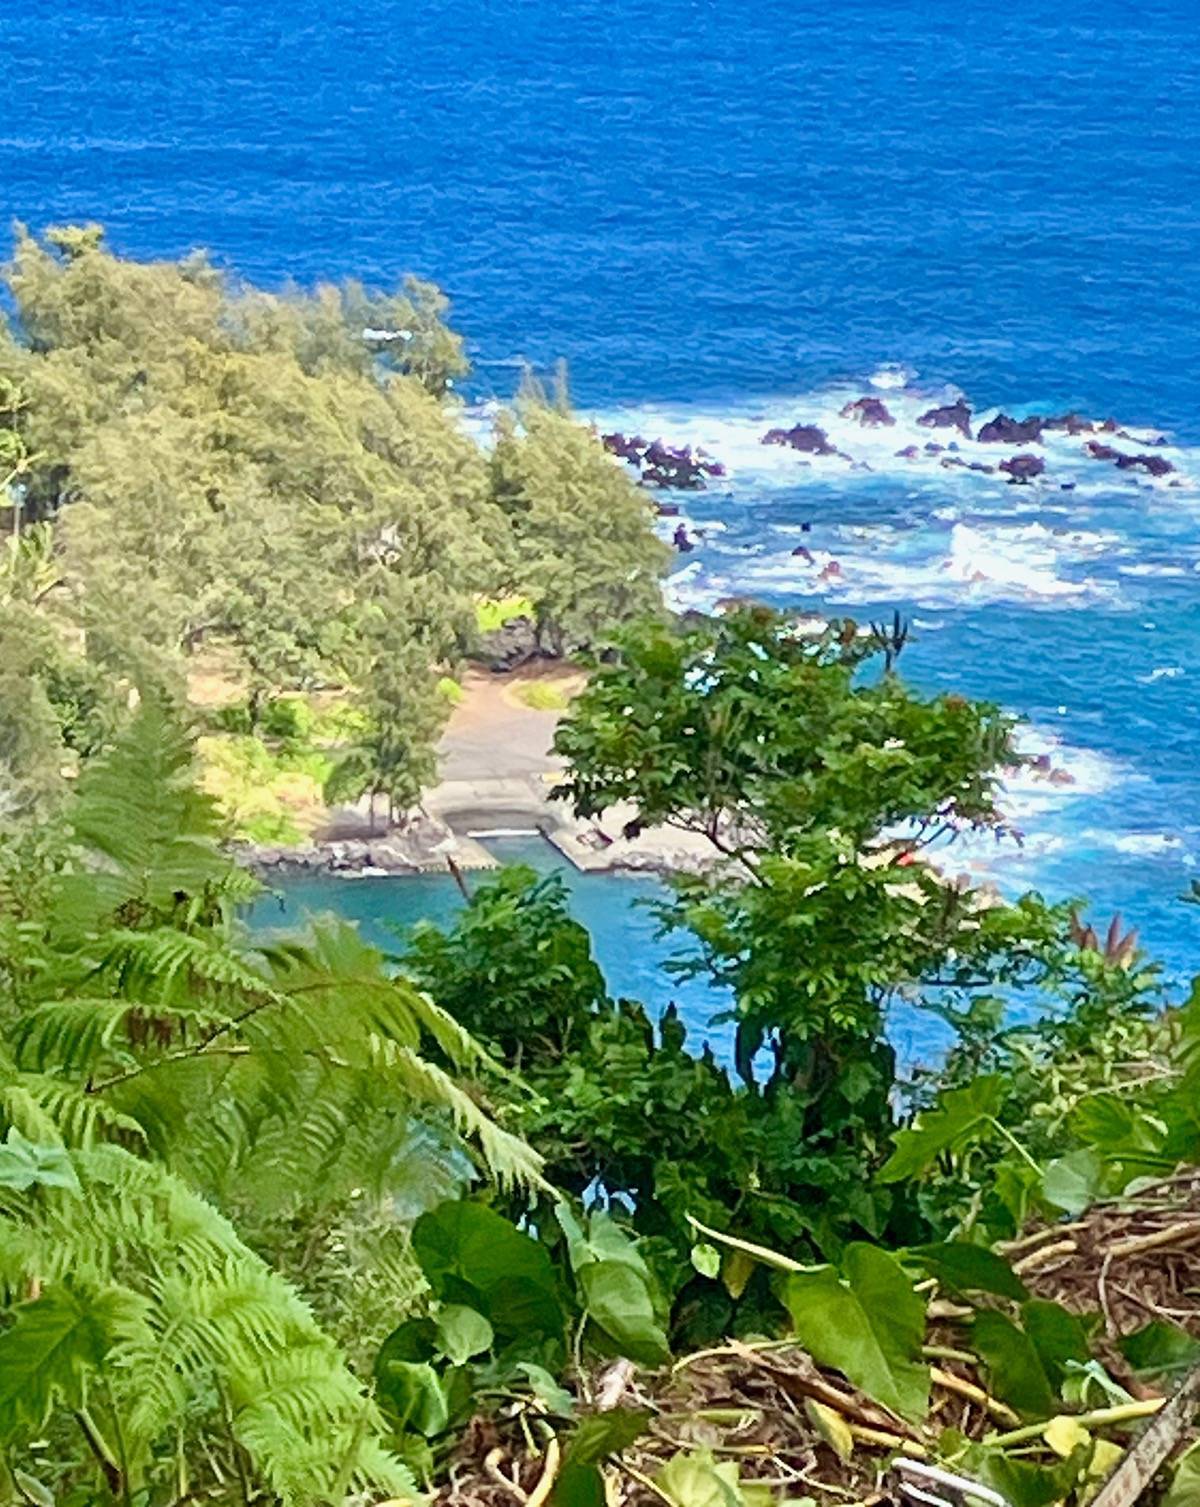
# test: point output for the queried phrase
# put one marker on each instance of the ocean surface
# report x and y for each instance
(731, 217)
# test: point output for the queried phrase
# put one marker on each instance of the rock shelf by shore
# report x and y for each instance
(497, 775)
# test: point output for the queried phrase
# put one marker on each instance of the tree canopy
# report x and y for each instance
(286, 474)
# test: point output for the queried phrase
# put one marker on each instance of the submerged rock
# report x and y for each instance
(811, 439)
(1021, 469)
(910, 452)
(950, 461)
(954, 415)
(870, 412)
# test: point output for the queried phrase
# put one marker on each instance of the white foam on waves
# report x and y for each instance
(977, 564)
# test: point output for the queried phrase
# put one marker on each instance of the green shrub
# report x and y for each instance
(288, 717)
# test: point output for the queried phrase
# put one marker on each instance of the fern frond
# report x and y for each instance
(206, 1309)
(149, 836)
(155, 963)
(510, 1160)
(81, 1035)
(47, 1109)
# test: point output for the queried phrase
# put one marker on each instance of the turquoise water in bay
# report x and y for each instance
(727, 218)
(615, 911)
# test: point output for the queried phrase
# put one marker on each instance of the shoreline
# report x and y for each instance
(497, 770)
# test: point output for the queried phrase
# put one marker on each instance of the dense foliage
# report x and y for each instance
(283, 477)
(283, 1216)
(174, 1098)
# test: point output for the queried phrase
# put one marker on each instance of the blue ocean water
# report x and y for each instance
(729, 216)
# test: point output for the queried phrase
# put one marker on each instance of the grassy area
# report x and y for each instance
(545, 695)
(493, 612)
(270, 783)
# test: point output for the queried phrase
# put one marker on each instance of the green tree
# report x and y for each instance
(820, 784)
(582, 531)
(232, 466)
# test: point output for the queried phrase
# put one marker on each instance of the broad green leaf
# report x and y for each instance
(1065, 1434)
(414, 1340)
(24, 1164)
(475, 1245)
(696, 1480)
(580, 1483)
(962, 1115)
(462, 1332)
(869, 1325)
(1020, 1482)
(543, 1386)
(962, 1267)
(1159, 1347)
(1074, 1182)
(1015, 1185)
(1016, 1372)
(523, 1308)
(618, 1302)
(607, 1241)
(1058, 1336)
(415, 1396)
(706, 1258)
(1184, 1490)
(736, 1271)
(1106, 1456)
(55, 1342)
(472, 1256)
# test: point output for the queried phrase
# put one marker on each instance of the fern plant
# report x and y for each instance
(193, 1091)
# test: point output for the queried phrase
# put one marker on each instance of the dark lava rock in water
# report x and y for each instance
(1069, 423)
(1008, 431)
(809, 438)
(1023, 468)
(932, 448)
(870, 412)
(951, 416)
(661, 465)
(1152, 465)
(910, 452)
(630, 448)
(682, 541)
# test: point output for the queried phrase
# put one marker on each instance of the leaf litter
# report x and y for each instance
(760, 1421)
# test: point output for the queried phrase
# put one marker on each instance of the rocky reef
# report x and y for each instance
(662, 465)
(954, 415)
(871, 413)
(809, 439)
